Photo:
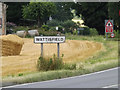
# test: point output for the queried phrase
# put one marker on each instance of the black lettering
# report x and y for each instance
(40, 39)
(61, 39)
(37, 39)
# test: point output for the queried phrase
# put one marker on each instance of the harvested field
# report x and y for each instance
(73, 50)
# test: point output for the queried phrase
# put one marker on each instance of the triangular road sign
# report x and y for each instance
(108, 26)
(109, 23)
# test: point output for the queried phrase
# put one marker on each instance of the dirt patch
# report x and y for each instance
(73, 50)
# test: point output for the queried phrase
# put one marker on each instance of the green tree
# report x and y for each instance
(40, 11)
(113, 9)
(14, 11)
(63, 11)
(94, 14)
(69, 26)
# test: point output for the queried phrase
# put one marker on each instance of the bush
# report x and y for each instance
(45, 27)
(48, 33)
(93, 32)
(54, 23)
(70, 66)
(86, 31)
(54, 63)
(75, 32)
(52, 29)
(60, 28)
(116, 32)
(33, 27)
(89, 31)
(49, 64)
(69, 26)
(21, 28)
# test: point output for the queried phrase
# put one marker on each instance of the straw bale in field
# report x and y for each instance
(10, 45)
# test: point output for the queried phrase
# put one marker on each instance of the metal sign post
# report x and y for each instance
(41, 49)
(58, 51)
(106, 36)
(49, 39)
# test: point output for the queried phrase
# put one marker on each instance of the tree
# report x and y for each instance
(39, 11)
(63, 11)
(14, 11)
(69, 26)
(94, 14)
(113, 9)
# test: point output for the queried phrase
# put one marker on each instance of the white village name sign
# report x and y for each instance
(49, 39)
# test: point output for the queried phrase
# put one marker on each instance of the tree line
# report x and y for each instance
(94, 14)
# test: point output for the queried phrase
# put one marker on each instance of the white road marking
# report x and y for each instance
(116, 85)
(63, 78)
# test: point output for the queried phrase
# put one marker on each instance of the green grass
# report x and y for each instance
(105, 59)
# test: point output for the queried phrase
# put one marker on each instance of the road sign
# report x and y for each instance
(108, 26)
(112, 35)
(49, 39)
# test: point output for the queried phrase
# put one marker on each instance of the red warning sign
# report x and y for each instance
(109, 27)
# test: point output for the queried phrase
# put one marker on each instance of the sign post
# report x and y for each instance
(58, 47)
(108, 27)
(41, 49)
(49, 39)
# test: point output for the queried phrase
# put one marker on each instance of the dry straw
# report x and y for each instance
(11, 45)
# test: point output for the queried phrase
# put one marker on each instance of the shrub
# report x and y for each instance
(60, 28)
(52, 29)
(33, 27)
(116, 32)
(93, 32)
(54, 23)
(54, 63)
(21, 28)
(89, 31)
(20, 74)
(69, 26)
(70, 66)
(45, 27)
(86, 31)
(75, 32)
(48, 33)
(49, 64)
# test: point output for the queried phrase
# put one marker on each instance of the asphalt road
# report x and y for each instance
(102, 79)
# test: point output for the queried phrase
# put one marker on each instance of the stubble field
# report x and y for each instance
(73, 50)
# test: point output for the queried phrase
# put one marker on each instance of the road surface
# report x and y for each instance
(102, 79)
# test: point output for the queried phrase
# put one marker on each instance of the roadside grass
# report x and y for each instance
(105, 59)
